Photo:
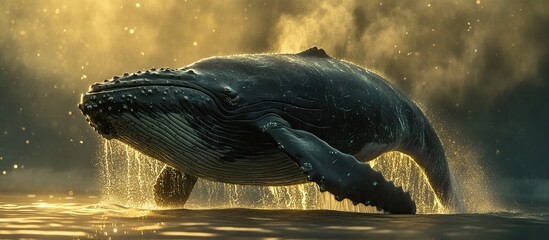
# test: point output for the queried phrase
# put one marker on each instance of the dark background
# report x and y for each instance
(478, 68)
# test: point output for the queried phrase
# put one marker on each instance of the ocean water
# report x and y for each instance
(87, 217)
(125, 209)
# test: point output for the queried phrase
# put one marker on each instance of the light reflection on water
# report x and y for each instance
(82, 217)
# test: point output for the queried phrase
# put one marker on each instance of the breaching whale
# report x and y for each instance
(270, 119)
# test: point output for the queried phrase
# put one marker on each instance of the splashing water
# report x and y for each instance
(127, 178)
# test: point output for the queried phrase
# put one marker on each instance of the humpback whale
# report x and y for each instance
(270, 119)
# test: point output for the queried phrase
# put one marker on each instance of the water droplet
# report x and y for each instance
(322, 188)
(307, 167)
(374, 183)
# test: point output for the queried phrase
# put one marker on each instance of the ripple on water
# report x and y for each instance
(83, 218)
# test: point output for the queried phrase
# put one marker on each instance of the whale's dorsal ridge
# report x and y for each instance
(314, 52)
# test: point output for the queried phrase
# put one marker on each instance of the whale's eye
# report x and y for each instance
(228, 91)
(228, 95)
(190, 71)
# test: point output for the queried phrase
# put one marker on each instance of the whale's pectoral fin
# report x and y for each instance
(173, 188)
(339, 173)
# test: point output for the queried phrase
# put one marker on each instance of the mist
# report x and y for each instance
(478, 68)
(435, 51)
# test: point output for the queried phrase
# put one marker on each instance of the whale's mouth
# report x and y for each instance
(154, 77)
(96, 114)
(152, 90)
(102, 107)
(119, 86)
(104, 128)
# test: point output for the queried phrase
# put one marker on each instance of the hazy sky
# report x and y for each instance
(479, 68)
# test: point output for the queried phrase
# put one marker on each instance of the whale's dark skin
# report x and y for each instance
(270, 119)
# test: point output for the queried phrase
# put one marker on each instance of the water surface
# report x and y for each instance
(53, 217)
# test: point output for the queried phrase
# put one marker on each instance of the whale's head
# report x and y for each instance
(160, 109)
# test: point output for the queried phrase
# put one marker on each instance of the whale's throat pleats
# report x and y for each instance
(203, 146)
